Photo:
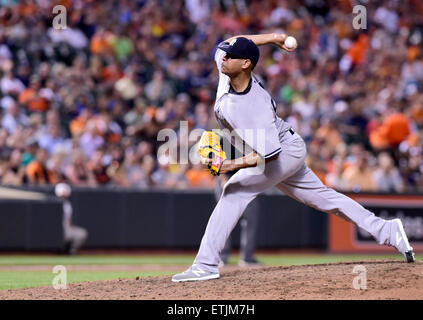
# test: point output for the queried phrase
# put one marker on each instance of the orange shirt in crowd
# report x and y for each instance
(37, 173)
(198, 178)
(394, 129)
(27, 9)
(110, 73)
(397, 128)
(32, 100)
(357, 50)
(77, 125)
(98, 45)
(113, 137)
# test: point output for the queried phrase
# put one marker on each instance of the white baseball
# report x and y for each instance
(290, 42)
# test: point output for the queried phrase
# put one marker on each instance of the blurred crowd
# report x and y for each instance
(84, 104)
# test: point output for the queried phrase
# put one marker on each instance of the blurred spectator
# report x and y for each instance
(77, 171)
(386, 177)
(317, 158)
(52, 140)
(56, 167)
(387, 16)
(133, 170)
(29, 153)
(329, 133)
(91, 140)
(354, 127)
(295, 119)
(11, 85)
(100, 91)
(78, 124)
(199, 10)
(148, 165)
(202, 117)
(394, 129)
(37, 172)
(13, 117)
(359, 176)
(97, 166)
(31, 97)
(158, 89)
(168, 175)
(127, 86)
(14, 172)
(336, 179)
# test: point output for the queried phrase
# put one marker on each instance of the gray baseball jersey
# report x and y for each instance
(249, 117)
(254, 110)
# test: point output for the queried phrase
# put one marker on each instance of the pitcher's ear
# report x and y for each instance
(247, 64)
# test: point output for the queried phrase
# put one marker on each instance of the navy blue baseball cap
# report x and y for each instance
(243, 48)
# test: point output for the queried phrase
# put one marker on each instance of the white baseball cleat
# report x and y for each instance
(195, 273)
(399, 240)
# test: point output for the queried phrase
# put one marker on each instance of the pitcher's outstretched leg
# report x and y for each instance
(307, 188)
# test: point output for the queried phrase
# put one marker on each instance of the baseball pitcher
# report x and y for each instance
(243, 104)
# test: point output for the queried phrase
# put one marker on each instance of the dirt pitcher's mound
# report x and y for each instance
(382, 279)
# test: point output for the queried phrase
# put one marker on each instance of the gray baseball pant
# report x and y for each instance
(75, 235)
(249, 226)
(292, 176)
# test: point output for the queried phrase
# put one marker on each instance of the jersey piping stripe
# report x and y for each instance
(273, 153)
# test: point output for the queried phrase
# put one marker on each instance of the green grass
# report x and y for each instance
(185, 259)
(95, 260)
(26, 279)
(23, 279)
(10, 279)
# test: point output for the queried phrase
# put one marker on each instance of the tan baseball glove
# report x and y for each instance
(211, 148)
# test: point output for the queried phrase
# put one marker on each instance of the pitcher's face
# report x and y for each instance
(232, 65)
